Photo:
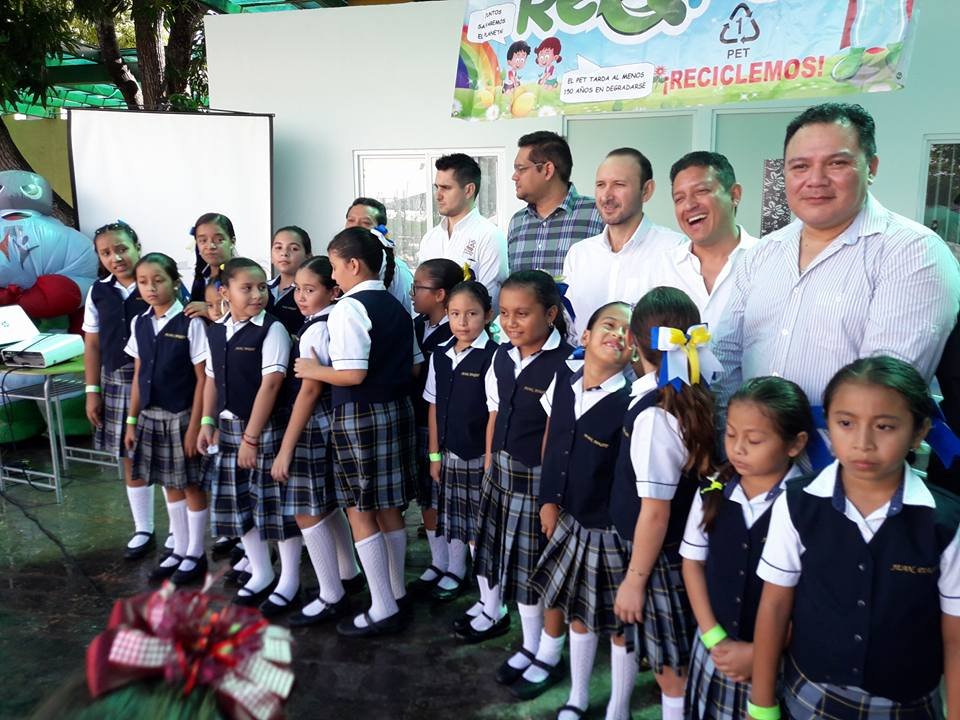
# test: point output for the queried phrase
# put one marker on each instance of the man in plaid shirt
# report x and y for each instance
(556, 216)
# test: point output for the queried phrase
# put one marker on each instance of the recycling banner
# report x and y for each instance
(523, 58)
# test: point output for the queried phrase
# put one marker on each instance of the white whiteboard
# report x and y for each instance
(159, 171)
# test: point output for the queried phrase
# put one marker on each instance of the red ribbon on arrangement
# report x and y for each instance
(178, 636)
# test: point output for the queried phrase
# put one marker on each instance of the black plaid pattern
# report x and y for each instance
(158, 457)
(373, 447)
(427, 490)
(309, 489)
(116, 405)
(266, 495)
(231, 509)
(579, 572)
(459, 501)
(710, 694)
(509, 541)
(804, 699)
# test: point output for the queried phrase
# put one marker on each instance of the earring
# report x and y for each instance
(635, 358)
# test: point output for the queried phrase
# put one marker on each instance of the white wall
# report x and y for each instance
(382, 77)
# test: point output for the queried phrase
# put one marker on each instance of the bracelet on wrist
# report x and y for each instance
(250, 442)
(763, 713)
(131, 420)
(207, 420)
(435, 457)
(93, 389)
(637, 572)
(713, 636)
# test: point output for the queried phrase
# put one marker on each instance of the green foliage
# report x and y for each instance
(30, 30)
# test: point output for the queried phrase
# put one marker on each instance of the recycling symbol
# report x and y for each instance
(741, 27)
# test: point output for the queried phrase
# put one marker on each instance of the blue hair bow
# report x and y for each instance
(562, 287)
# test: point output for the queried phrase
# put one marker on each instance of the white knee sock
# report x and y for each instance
(323, 555)
(343, 538)
(376, 566)
(397, 552)
(583, 650)
(491, 611)
(549, 653)
(623, 674)
(261, 571)
(177, 512)
(289, 583)
(438, 556)
(197, 522)
(531, 621)
(672, 707)
(141, 507)
(457, 552)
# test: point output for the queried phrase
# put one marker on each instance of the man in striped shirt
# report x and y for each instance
(847, 279)
(556, 216)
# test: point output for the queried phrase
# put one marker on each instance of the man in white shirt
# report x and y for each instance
(847, 279)
(611, 266)
(705, 199)
(463, 234)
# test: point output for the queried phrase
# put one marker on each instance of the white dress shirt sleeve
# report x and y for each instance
(430, 387)
(657, 453)
(728, 339)
(949, 582)
(696, 542)
(349, 327)
(91, 317)
(275, 352)
(131, 347)
(491, 267)
(490, 386)
(780, 563)
(546, 400)
(197, 337)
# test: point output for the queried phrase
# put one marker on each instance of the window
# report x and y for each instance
(941, 211)
(403, 181)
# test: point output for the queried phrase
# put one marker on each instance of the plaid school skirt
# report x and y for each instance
(459, 497)
(668, 628)
(309, 489)
(158, 457)
(509, 541)
(266, 494)
(374, 451)
(711, 695)
(804, 699)
(579, 572)
(231, 508)
(427, 492)
(116, 405)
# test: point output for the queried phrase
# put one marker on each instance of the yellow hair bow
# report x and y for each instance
(686, 356)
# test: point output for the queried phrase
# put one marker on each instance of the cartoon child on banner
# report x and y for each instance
(517, 55)
(548, 55)
(45, 266)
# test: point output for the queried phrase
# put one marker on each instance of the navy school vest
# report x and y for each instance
(286, 311)
(238, 365)
(427, 347)
(291, 384)
(581, 454)
(624, 501)
(462, 401)
(390, 363)
(731, 568)
(521, 419)
(868, 614)
(165, 364)
(115, 313)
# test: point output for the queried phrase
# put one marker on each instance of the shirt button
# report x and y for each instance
(861, 603)
(858, 638)
(856, 671)
(775, 374)
(744, 546)
(796, 291)
(738, 601)
(735, 623)
(784, 332)
(861, 567)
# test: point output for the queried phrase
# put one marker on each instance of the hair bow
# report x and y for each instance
(686, 357)
(383, 235)
(714, 484)
(467, 272)
(562, 288)
(177, 636)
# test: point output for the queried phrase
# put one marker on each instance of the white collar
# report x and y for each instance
(479, 342)
(683, 252)
(644, 384)
(256, 319)
(365, 285)
(445, 221)
(642, 229)
(552, 343)
(444, 319)
(320, 313)
(915, 492)
(171, 312)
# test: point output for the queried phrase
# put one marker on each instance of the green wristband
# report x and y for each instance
(712, 636)
(763, 713)
(131, 420)
(93, 389)
(435, 457)
(207, 420)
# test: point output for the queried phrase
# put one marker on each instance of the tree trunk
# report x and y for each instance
(147, 23)
(12, 159)
(183, 28)
(118, 70)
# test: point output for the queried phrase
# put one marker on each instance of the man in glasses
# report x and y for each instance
(556, 215)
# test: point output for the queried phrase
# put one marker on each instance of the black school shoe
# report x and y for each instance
(270, 609)
(254, 599)
(332, 611)
(507, 674)
(526, 690)
(223, 546)
(471, 636)
(354, 585)
(443, 594)
(197, 572)
(162, 572)
(135, 553)
(388, 626)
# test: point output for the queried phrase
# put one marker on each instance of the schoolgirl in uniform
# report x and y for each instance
(863, 563)
(509, 541)
(249, 350)
(432, 284)
(667, 444)
(582, 566)
(290, 247)
(768, 423)
(373, 352)
(111, 305)
(169, 351)
(215, 244)
(457, 420)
